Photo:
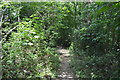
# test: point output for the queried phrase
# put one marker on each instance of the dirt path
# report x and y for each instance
(65, 72)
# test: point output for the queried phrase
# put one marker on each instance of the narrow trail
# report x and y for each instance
(65, 72)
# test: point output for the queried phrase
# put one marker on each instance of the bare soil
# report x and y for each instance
(65, 72)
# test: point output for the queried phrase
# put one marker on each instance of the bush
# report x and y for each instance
(25, 54)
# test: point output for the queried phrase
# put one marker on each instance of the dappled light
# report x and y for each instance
(60, 40)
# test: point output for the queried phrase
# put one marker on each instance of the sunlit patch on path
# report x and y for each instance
(65, 72)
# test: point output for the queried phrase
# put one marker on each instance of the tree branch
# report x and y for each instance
(4, 38)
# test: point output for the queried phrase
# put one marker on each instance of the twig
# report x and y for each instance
(4, 38)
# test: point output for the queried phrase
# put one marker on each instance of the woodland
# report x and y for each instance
(32, 32)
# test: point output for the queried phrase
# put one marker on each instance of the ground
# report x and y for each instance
(65, 71)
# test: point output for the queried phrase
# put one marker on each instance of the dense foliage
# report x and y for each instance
(96, 42)
(28, 50)
(32, 31)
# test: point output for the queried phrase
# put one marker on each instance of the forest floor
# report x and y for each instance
(65, 72)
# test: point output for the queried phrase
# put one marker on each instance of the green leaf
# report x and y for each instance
(103, 9)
